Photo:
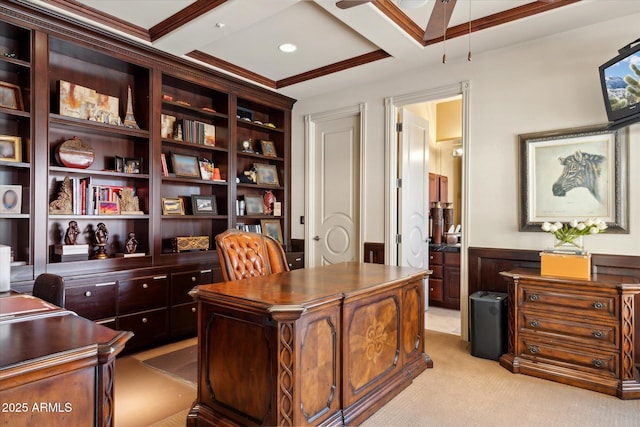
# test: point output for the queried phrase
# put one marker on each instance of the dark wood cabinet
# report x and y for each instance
(444, 282)
(46, 55)
(438, 188)
(184, 314)
(573, 331)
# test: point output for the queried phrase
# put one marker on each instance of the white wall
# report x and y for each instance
(547, 84)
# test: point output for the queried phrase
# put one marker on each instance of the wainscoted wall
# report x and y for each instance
(485, 265)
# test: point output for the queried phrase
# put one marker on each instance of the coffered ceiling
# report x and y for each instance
(336, 47)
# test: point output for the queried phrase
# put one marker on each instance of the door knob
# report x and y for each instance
(316, 238)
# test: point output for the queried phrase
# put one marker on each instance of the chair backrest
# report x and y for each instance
(49, 287)
(243, 255)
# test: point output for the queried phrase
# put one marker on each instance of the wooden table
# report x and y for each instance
(56, 368)
(318, 346)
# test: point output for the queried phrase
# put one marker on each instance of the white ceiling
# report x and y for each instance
(325, 34)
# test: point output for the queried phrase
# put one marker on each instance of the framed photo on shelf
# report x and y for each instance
(166, 125)
(271, 227)
(576, 173)
(204, 205)
(185, 166)
(266, 174)
(172, 206)
(11, 96)
(10, 199)
(10, 148)
(268, 148)
(133, 165)
(254, 205)
(206, 169)
(108, 208)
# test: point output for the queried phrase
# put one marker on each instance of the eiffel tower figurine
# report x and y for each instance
(129, 120)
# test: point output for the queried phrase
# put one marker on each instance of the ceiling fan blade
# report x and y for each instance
(439, 19)
(346, 4)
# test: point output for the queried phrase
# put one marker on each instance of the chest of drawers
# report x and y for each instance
(577, 332)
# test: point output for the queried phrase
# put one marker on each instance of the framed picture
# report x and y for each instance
(166, 125)
(206, 169)
(133, 165)
(268, 148)
(266, 174)
(10, 148)
(185, 166)
(11, 96)
(574, 173)
(108, 208)
(10, 199)
(118, 164)
(204, 205)
(172, 206)
(271, 227)
(254, 205)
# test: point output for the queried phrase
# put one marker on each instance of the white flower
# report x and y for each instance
(594, 230)
(557, 225)
(573, 223)
(589, 222)
(546, 226)
(580, 226)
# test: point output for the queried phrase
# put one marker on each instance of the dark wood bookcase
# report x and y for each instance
(147, 293)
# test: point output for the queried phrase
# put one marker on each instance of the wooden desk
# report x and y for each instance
(574, 331)
(56, 368)
(318, 346)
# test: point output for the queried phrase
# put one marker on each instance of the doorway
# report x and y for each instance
(394, 157)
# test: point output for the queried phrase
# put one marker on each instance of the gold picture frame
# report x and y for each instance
(271, 227)
(266, 174)
(11, 96)
(268, 148)
(172, 206)
(10, 148)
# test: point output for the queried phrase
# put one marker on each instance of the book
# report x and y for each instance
(133, 255)
(69, 258)
(165, 170)
(59, 249)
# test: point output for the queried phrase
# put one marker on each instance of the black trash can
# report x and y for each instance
(488, 314)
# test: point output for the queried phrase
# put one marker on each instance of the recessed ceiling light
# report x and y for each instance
(288, 47)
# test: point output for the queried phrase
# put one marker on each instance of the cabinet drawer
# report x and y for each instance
(184, 320)
(149, 327)
(182, 283)
(437, 271)
(435, 257)
(93, 302)
(435, 289)
(144, 293)
(295, 260)
(583, 304)
(603, 363)
(587, 333)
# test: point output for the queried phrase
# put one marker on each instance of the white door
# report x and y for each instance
(335, 191)
(413, 191)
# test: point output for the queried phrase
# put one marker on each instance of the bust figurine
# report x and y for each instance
(71, 236)
(131, 244)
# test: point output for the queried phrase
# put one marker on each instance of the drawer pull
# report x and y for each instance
(597, 334)
(145, 286)
(534, 349)
(87, 294)
(193, 309)
(144, 320)
(598, 305)
(193, 278)
(597, 363)
(534, 323)
(533, 297)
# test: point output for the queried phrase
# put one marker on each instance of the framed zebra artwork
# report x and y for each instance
(576, 173)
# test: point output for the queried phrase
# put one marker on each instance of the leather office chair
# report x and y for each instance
(49, 287)
(243, 255)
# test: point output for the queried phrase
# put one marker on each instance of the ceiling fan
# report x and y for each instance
(438, 21)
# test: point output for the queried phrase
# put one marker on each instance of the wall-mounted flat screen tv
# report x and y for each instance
(620, 82)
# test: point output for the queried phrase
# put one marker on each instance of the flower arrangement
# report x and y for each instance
(569, 233)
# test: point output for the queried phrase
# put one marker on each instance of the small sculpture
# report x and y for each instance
(63, 204)
(268, 200)
(71, 236)
(131, 244)
(129, 119)
(101, 238)
(129, 203)
(248, 177)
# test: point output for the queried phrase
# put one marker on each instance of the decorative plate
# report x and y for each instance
(74, 153)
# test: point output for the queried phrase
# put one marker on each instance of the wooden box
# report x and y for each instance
(190, 243)
(565, 265)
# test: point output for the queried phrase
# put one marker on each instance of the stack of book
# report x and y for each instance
(66, 253)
